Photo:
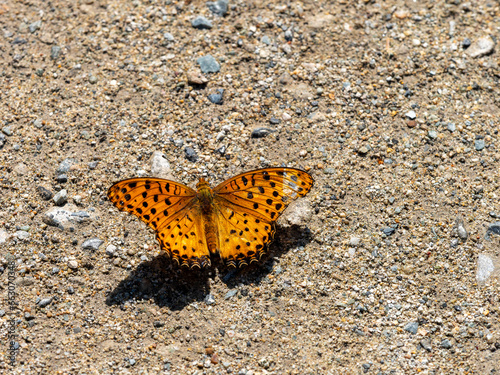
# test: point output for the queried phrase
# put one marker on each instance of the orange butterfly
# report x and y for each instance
(235, 219)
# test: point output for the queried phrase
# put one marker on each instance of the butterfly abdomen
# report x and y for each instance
(206, 199)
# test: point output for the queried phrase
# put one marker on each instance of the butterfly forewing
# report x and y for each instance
(171, 209)
(241, 235)
(265, 192)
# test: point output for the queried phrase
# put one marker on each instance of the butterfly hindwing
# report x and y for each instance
(242, 236)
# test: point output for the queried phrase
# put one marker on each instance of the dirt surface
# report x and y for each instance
(390, 265)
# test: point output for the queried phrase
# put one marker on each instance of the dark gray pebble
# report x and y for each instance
(261, 132)
(275, 121)
(466, 43)
(62, 178)
(191, 154)
(389, 230)
(44, 193)
(411, 327)
(216, 98)
(446, 344)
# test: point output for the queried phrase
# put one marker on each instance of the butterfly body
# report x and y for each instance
(235, 219)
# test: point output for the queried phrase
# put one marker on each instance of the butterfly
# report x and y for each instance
(234, 220)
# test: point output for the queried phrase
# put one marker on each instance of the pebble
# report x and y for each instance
(3, 140)
(230, 293)
(160, 167)
(411, 115)
(44, 193)
(92, 244)
(479, 144)
(201, 23)
(209, 299)
(169, 37)
(65, 166)
(411, 327)
(44, 302)
(219, 7)
(485, 267)
(61, 198)
(22, 235)
(111, 250)
(388, 231)
(4, 236)
(451, 127)
(7, 130)
(73, 264)
(446, 344)
(461, 231)
(195, 77)
(432, 134)
(191, 154)
(55, 51)
(35, 26)
(426, 344)
(216, 98)
(266, 40)
(481, 47)
(208, 64)
(261, 132)
(493, 228)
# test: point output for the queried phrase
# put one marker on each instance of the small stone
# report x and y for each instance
(209, 299)
(62, 178)
(289, 35)
(411, 115)
(93, 79)
(426, 344)
(461, 231)
(111, 250)
(195, 77)
(92, 244)
(485, 267)
(261, 132)
(160, 167)
(466, 43)
(492, 228)
(411, 327)
(216, 98)
(363, 150)
(389, 230)
(65, 166)
(201, 23)
(446, 344)
(286, 117)
(55, 51)
(432, 134)
(451, 127)
(354, 241)
(219, 7)
(231, 293)
(35, 26)
(481, 47)
(44, 302)
(73, 264)
(169, 37)
(266, 40)
(22, 235)
(7, 130)
(44, 193)
(479, 144)
(3, 140)
(191, 154)
(61, 198)
(208, 64)
(4, 236)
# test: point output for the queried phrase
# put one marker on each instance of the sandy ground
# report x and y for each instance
(390, 265)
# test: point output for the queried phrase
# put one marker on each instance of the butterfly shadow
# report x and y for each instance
(167, 285)
(285, 239)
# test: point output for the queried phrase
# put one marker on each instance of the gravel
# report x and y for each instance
(391, 106)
